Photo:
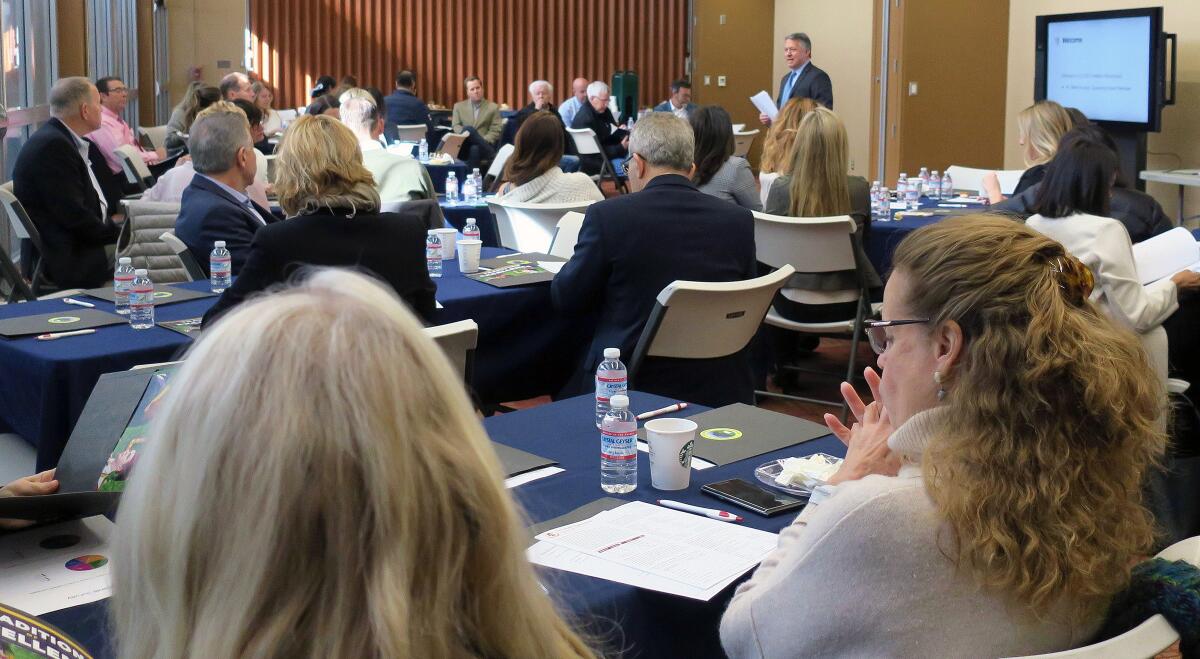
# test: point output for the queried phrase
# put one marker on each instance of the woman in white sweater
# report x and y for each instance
(532, 174)
(1073, 208)
(1004, 509)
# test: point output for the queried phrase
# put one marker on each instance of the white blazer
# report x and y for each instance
(1103, 245)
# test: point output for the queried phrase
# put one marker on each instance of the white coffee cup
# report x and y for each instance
(468, 254)
(671, 442)
(447, 237)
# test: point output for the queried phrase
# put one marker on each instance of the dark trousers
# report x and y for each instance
(477, 150)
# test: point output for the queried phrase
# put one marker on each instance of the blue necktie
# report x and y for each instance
(787, 88)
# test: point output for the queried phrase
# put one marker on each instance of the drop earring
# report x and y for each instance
(941, 392)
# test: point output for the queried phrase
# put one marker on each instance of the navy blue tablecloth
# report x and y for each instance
(44, 384)
(438, 174)
(639, 623)
(884, 237)
(457, 214)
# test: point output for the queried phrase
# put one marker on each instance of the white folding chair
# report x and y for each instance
(451, 144)
(136, 171)
(765, 180)
(586, 144)
(194, 271)
(742, 141)
(529, 227)
(458, 340)
(1147, 639)
(566, 234)
(705, 320)
(737, 128)
(970, 179)
(156, 135)
(23, 228)
(411, 132)
(496, 169)
(819, 245)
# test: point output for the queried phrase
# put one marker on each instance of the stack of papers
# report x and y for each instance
(57, 566)
(655, 548)
(1165, 254)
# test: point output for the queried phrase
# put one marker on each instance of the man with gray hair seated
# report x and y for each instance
(541, 99)
(632, 246)
(62, 187)
(595, 114)
(215, 205)
(397, 178)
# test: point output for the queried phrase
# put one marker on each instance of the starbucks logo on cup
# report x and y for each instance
(685, 453)
(63, 320)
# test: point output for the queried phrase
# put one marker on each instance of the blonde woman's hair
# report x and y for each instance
(1042, 125)
(777, 147)
(1052, 416)
(316, 484)
(819, 167)
(320, 165)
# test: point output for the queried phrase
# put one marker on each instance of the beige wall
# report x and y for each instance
(1181, 130)
(841, 31)
(202, 32)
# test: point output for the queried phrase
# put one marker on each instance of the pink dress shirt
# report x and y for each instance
(114, 132)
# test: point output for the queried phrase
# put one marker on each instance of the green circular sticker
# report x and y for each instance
(721, 434)
(158, 295)
(63, 320)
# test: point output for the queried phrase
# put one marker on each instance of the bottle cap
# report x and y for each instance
(612, 353)
(620, 401)
(140, 272)
(219, 243)
(124, 260)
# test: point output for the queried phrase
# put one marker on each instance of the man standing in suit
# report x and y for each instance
(631, 247)
(680, 104)
(803, 79)
(480, 119)
(215, 205)
(58, 186)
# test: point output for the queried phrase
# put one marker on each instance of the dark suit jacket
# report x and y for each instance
(390, 246)
(630, 248)
(405, 109)
(52, 183)
(207, 214)
(813, 83)
(1142, 216)
(601, 123)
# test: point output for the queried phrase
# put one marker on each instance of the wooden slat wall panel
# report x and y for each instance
(508, 43)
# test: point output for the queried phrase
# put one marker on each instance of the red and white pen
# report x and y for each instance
(59, 335)
(661, 411)
(711, 513)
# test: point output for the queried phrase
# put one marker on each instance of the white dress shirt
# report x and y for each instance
(82, 146)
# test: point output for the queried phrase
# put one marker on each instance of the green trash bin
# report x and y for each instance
(625, 91)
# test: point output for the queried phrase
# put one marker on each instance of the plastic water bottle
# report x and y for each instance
(618, 448)
(122, 284)
(901, 186)
(923, 175)
(471, 230)
(947, 186)
(433, 254)
(885, 205)
(220, 267)
(935, 185)
(477, 179)
(423, 150)
(451, 188)
(611, 379)
(468, 189)
(141, 301)
(912, 194)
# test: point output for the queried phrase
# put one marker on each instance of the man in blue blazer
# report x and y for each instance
(215, 206)
(803, 79)
(631, 247)
(680, 103)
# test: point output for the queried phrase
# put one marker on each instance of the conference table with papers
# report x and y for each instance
(885, 236)
(525, 349)
(628, 621)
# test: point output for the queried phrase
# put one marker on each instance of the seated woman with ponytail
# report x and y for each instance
(990, 502)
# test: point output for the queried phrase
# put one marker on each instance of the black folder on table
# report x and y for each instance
(162, 294)
(187, 326)
(586, 511)
(67, 320)
(515, 461)
(739, 431)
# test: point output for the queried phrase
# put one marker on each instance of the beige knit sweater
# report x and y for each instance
(865, 574)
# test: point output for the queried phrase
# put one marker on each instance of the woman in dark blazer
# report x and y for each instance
(333, 220)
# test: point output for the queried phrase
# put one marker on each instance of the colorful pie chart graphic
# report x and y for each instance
(87, 562)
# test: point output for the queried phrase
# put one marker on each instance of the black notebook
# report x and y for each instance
(739, 431)
(515, 461)
(162, 294)
(67, 320)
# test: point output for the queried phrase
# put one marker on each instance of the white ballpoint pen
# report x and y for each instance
(711, 513)
(78, 303)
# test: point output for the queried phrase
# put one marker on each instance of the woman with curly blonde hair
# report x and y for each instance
(333, 220)
(317, 484)
(990, 501)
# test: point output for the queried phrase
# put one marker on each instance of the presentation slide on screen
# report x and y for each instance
(1101, 67)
